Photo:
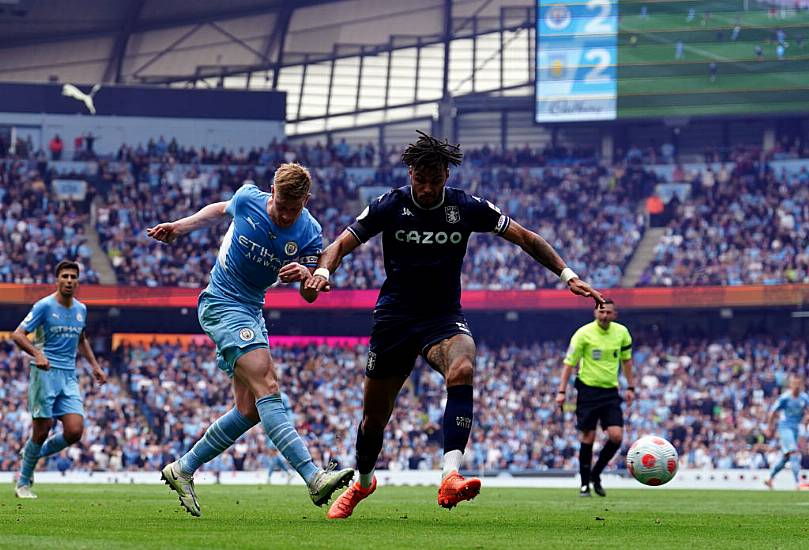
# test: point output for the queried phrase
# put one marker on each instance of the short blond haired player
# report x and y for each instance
(271, 237)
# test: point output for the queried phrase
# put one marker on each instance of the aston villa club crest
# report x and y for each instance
(557, 66)
(291, 248)
(452, 213)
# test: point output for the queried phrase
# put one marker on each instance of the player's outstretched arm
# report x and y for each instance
(22, 341)
(330, 260)
(540, 250)
(168, 232)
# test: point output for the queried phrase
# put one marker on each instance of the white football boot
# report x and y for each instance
(183, 485)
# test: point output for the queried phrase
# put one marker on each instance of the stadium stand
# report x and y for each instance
(592, 213)
(37, 231)
(709, 397)
(751, 228)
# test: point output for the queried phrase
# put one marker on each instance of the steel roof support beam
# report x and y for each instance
(282, 25)
(116, 61)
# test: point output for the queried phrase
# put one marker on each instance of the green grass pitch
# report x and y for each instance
(115, 516)
(651, 82)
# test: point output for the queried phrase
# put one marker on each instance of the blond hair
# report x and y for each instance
(292, 181)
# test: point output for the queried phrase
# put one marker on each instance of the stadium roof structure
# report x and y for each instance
(343, 63)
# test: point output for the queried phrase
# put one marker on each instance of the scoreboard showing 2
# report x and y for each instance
(576, 60)
(611, 59)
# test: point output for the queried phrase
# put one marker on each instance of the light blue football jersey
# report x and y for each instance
(792, 409)
(254, 248)
(57, 330)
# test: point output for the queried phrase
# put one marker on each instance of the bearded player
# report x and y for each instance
(272, 237)
(425, 229)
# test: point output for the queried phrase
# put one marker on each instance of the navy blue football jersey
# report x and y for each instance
(424, 248)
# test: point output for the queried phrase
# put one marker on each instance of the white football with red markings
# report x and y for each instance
(652, 460)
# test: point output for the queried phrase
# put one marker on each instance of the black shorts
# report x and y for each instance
(594, 405)
(396, 343)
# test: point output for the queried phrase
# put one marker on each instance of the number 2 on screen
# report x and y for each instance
(601, 58)
(599, 24)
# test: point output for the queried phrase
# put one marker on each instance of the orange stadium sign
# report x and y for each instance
(186, 340)
(795, 295)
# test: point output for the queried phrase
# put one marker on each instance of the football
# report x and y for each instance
(652, 460)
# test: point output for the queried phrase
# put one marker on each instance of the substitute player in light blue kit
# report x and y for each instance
(58, 322)
(793, 404)
(271, 237)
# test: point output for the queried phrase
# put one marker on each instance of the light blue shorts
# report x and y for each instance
(789, 439)
(53, 393)
(233, 327)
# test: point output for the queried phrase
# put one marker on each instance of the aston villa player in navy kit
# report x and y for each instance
(425, 230)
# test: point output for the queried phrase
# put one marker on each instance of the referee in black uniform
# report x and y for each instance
(598, 348)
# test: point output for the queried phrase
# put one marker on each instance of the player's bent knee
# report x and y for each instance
(250, 412)
(74, 436)
(271, 385)
(461, 372)
(248, 409)
(260, 379)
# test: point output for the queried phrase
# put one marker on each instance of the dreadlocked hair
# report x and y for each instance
(428, 152)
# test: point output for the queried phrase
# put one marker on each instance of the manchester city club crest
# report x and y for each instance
(452, 213)
(291, 248)
(246, 334)
(557, 17)
(79, 317)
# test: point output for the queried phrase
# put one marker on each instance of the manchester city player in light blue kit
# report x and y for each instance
(793, 404)
(57, 321)
(271, 237)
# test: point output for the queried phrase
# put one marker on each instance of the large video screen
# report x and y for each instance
(608, 59)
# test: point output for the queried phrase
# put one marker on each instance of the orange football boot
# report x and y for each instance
(454, 489)
(344, 506)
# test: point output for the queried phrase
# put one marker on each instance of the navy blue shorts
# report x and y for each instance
(396, 343)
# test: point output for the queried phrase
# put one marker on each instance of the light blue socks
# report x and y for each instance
(30, 457)
(53, 445)
(218, 437)
(276, 424)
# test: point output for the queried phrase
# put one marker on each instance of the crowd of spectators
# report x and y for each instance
(742, 223)
(747, 225)
(318, 155)
(709, 397)
(113, 425)
(586, 211)
(37, 231)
